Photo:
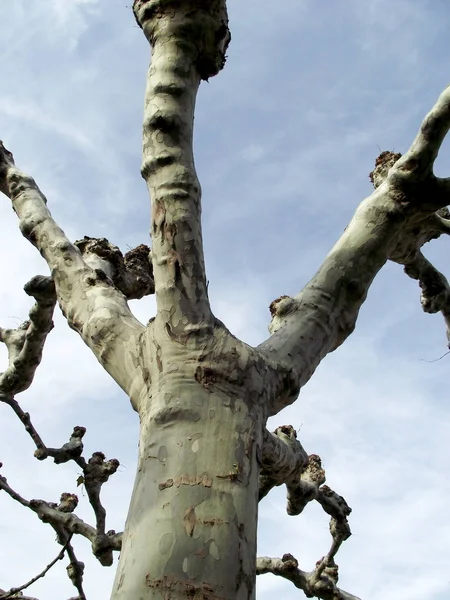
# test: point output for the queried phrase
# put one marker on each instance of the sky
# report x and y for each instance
(285, 139)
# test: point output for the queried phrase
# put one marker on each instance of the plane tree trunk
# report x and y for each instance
(203, 396)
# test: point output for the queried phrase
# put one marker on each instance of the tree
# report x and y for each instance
(209, 374)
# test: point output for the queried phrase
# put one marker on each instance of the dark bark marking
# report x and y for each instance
(190, 520)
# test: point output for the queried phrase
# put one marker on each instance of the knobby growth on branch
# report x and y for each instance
(25, 345)
(184, 370)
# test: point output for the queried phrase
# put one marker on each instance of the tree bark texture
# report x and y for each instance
(203, 396)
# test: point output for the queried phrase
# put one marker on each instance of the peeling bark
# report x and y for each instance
(203, 396)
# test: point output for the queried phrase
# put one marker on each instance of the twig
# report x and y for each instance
(16, 590)
(75, 571)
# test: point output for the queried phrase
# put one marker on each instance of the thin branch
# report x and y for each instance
(75, 572)
(26, 421)
(304, 484)
(14, 495)
(65, 523)
(72, 450)
(26, 597)
(96, 472)
(16, 590)
(25, 344)
(435, 288)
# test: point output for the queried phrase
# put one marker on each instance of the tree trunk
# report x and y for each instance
(191, 527)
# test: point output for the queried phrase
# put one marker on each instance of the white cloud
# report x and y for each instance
(285, 139)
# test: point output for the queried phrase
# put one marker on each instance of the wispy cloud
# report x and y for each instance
(285, 139)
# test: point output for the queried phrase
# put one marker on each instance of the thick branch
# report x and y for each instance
(188, 44)
(283, 458)
(392, 223)
(418, 162)
(89, 300)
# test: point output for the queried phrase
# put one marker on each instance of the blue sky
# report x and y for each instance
(285, 139)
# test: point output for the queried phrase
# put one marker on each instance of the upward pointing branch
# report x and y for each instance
(188, 41)
(391, 224)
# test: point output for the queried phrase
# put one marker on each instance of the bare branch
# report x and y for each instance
(8, 489)
(16, 590)
(188, 44)
(72, 450)
(322, 581)
(93, 306)
(22, 597)
(25, 344)
(283, 458)
(60, 516)
(322, 587)
(284, 461)
(392, 224)
(418, 162)
(65, 522)
(75, 571)
(96, 472)
(435, 294)
(305, 488)
(26, 421)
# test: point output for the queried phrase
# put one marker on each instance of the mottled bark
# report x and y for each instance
(91, 303)
(203, 396)
(393, 223)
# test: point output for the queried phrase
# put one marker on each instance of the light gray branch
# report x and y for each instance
(185, 50)
(283, 458)
(419, 160)
(284, 461)
(323, 586)
(393, 223)
(322, 581)
(93, 306)
(305, 488)
(72, 450)
(60, 516)
(96, 472)
(22, 597)
(25, 344)
(435, 294)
